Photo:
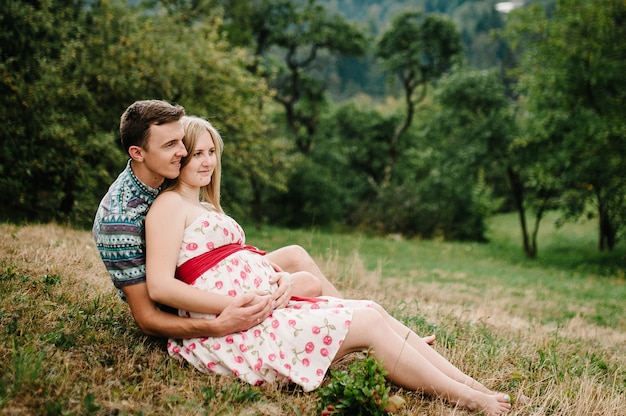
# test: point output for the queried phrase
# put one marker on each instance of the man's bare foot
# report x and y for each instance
(489, 404)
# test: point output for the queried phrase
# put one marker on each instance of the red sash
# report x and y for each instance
(193, 268)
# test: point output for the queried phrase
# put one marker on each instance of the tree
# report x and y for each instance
(418, 49)
(302, 35)
(69, 73)
(48, 154)
(466, 138)
(572, 86)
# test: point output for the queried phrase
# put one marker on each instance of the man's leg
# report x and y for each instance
(294, 258)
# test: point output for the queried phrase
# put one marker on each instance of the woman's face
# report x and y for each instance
(202, 161)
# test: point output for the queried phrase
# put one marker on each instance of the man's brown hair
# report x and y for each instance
(139, 116)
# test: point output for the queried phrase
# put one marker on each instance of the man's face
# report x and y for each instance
(164, 150)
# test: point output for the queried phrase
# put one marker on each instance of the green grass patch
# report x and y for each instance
(552, 328)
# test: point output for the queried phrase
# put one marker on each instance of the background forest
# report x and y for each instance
(418, 118)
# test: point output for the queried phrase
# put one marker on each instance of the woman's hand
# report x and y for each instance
(285, 289)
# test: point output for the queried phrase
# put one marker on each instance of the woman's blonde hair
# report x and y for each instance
(195, 127)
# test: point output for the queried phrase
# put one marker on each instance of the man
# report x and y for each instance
(152, 135)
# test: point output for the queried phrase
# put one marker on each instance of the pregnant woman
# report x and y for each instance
(188, 233)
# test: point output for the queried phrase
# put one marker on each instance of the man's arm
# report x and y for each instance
(243, 313)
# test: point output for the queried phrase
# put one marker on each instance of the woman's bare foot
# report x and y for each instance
(429, 339)
(489, 404)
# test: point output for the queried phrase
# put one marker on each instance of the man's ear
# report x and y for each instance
(136, 153)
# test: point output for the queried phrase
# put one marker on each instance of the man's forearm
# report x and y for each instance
(243, 312)
(166, 325)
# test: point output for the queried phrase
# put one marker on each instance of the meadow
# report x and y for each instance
(552, 328)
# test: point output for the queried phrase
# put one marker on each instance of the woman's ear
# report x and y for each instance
(136, 153)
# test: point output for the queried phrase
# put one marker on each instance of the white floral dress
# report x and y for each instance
(295, 344)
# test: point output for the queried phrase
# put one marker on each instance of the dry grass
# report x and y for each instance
(69, 346)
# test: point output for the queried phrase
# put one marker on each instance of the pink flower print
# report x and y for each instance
(235, 262)
(328, 340)
(315, 329)
(243, 275)
(347, 323)
(236, 282)
(219, 284)
(258, 365)
(324, 352)
(259, 383)
(243, 348)
(304, 379)
(319, 372)
(273, 336)
(292, 323)
(192, 346)
(306, 362)
(232, 293)
(288, 366)
(257, 333)
(298, 306)
(205, 224)
(169, 344)
(272, 357)
(315, 306)
(258, 281)
(176, 349)
(210, 245)
(191, 246)
(203, 340)
(211, 365)
(282, 355)
(217, 346)
(239, 359)
(309, 347)
(275, 323)
(247, 269)
(229, 339)
(225, 231)
(236, 373)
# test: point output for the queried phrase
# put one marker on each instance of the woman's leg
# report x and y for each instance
(429, 353)
(410, 369)
(294, 258)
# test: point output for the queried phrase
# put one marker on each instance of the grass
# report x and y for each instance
(553, 328)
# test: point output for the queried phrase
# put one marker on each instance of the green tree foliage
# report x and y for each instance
(418, 49)
(49, 154)
(293, 41)
(467, 134)
(444, 182)
(571, 78)
(69, 72)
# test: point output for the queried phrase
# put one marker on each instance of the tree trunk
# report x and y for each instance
(530, 249)
(606, 229)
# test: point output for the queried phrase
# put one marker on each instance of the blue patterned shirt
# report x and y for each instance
(118, 229)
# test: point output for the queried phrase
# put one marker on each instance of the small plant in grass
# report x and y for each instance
(359, 390)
